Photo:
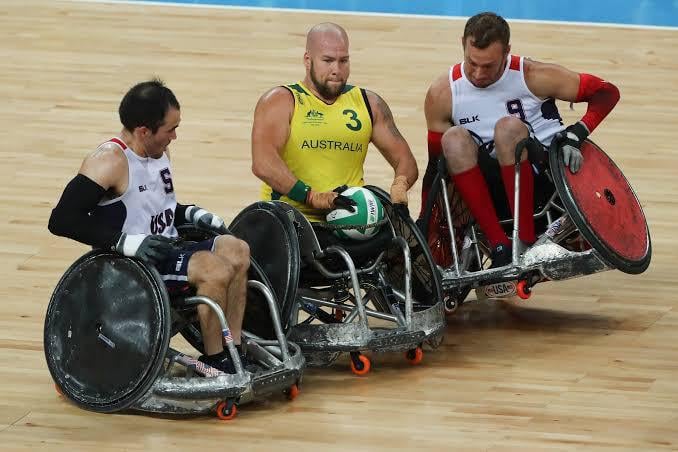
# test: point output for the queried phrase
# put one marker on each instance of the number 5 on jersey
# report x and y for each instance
(166, 177)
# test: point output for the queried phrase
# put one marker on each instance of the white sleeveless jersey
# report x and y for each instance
(149, 203)
(478, 109)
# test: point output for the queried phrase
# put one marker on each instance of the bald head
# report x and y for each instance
(326, 35)
(327, 60)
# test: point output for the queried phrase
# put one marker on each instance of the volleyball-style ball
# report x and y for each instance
(368, 210)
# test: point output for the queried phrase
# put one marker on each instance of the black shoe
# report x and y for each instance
(501, 255)
(220, 361)
(223, 362)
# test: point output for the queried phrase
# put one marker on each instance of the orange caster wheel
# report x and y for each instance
(523, 290)
(414, 356)
(360, 364)
(292, 392)
(226, 410)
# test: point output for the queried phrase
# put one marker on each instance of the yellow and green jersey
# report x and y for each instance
(327, 143)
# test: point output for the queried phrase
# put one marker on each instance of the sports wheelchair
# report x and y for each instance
(586, 223)
(107, 334)
(381, 295)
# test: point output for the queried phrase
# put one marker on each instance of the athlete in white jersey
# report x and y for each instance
(123, 199)
(486, 105)
(148, 204)
(479, 109)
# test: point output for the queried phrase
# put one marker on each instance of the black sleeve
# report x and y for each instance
(71, 217)
(180, 214)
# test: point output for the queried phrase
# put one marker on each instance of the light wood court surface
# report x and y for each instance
(589, 364)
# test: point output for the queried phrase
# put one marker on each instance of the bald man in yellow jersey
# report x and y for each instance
(312, 136)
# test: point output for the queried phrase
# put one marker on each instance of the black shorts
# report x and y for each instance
(174, 270)
(489, 166)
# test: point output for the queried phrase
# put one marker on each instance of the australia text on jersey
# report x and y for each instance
(332, 145)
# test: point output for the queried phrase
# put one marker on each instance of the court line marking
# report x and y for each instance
(373, 14)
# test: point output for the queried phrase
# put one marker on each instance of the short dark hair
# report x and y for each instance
(487, 28)
(146, 104)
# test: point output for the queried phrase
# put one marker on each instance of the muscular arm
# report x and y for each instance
(551, 80)
(107, 166)
(438, 105)
(387, 138)
(270, 131)
(103, 171)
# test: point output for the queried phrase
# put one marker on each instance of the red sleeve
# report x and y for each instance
(435, 147)
(601, 96)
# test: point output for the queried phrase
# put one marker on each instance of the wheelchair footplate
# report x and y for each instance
(548, 260)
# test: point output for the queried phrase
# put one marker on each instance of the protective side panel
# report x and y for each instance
(426, 280)
(107, 331)
(273, 243)
(605, 208)
(257, 313)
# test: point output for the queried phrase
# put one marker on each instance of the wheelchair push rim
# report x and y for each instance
(107, 331)
(604, 207)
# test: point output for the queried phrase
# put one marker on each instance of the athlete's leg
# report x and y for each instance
(461, 155)
(235, 254)
(508, 131)
(211, 276)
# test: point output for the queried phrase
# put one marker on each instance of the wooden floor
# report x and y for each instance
(590, 364)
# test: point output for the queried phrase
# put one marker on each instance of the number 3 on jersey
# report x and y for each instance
(355, 123)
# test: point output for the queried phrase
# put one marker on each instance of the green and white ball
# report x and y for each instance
(368, 210)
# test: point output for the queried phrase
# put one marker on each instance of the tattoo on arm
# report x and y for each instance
(387, 116)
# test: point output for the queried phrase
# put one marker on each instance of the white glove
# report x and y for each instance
(149, 248)
(205, 220)
(572, 138)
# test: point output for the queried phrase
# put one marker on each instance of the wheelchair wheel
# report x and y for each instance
(274, 244)
(426, 281)
(107, 330)
(604, 208)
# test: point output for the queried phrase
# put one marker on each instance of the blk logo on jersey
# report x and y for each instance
(473, 118)
(180, 262)
(142, 188)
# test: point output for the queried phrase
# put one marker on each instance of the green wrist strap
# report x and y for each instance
(299, 192)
